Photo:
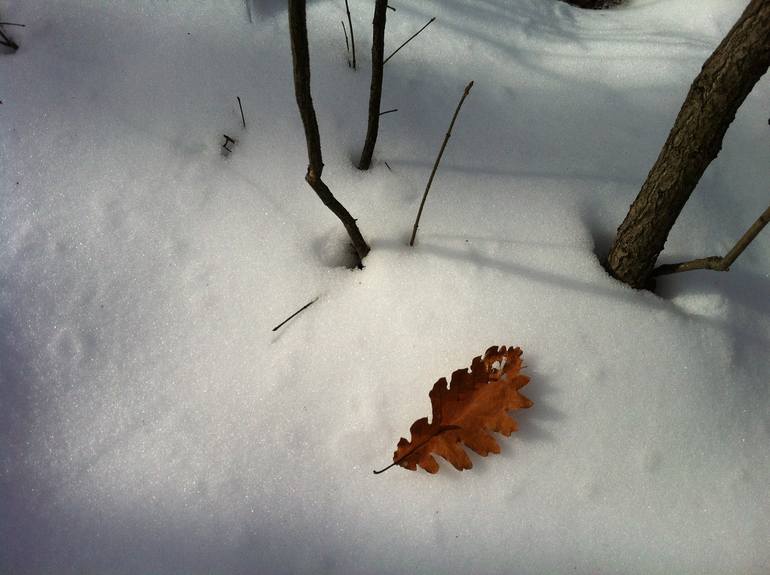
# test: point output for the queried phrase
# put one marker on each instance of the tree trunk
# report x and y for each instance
(375, 92)
(301, 59)
(716, 94)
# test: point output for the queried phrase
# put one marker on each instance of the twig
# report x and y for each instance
(716, 263)
(409, 40)
(295, 314)
(13, 24)
(228, 141)
(375, 89)
(347, 44)
(410, 452)
(391, 8)
(438, 159)
(388, 111)
(387, 165)
(243, 119)
(6, 40)
(352, 38)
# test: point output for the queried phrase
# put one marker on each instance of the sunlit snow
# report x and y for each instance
(151, 421)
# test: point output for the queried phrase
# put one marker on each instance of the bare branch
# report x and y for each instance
(347, 44)
(7, 41)
(301, 62)
(438, 159)
(295, 314)
(243, 118)
(352, 38)
(409, 40)
(716, 263)
(375, 91)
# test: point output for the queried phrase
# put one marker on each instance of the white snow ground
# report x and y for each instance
(151, 422)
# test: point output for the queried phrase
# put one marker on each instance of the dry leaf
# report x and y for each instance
(474, 404)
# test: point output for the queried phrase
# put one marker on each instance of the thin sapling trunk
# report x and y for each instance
(438, 159)
(375, 91)
(301, 60)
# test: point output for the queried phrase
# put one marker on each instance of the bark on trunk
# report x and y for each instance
(301, 60)
(375, 92)
(716, 94)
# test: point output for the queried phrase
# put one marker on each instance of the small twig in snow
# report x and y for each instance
(409, 40)
(228, 141)
(352, 38)
(5, 40)
(303, 308)
(243, 119)
(347, 44)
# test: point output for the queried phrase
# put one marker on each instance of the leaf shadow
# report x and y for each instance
(536, 423)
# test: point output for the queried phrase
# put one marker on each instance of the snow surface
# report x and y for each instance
(151, 421)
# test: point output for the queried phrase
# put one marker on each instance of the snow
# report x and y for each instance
(151, 421)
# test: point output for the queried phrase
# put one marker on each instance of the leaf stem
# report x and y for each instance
(383, 470)
(441, 430)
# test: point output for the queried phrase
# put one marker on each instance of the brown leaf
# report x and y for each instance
(474, 404)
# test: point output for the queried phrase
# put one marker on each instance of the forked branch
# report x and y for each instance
(301, 60)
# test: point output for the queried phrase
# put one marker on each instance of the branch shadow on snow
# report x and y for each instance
(518, 270)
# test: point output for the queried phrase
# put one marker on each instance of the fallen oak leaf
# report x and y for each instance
(473, 404)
